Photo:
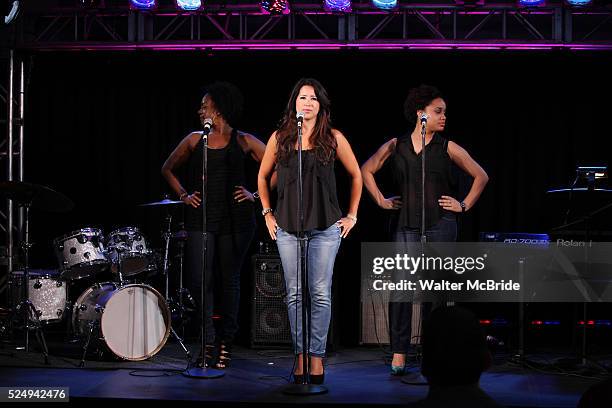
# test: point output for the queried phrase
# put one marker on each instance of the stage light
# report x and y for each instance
(531, 3)
(338, 5)
(385, 4)
(579, 3)
(189, 5)
(274, 6)
(143, 4)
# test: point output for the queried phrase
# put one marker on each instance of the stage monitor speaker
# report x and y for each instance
(269, 319)
(375, 319)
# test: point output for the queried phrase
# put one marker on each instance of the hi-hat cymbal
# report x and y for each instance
(165, 201)
(37, 196)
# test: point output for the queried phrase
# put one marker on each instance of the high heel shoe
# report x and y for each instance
(398, 370)
(208, 359)
(298, 378)
(224, 355)
(317, 378)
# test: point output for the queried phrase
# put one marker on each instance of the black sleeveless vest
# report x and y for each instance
(439, 181)
(321, 208)
(226, 169)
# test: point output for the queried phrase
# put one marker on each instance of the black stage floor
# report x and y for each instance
(357, 376)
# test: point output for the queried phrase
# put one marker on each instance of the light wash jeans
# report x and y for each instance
(321, 249)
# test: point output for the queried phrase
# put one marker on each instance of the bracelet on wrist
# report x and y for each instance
(266, 211)
(183, 195)
(351, 217)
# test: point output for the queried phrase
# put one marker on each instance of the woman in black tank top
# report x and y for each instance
(229, 213)
(441, 201)
(323, 225)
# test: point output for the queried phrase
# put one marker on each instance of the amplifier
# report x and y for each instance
(269, 319)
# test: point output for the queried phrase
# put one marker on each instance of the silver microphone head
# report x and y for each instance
(207, 123)
(300, 118)
(423, 117)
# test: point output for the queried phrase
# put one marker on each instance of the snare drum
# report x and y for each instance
(128, 248)
(81, 253)
(46, 292)
(134, 320)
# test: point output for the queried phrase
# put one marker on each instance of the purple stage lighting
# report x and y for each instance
(189, 5)
(470, 3)
(338, 5)
(143, 4)
(274, 6)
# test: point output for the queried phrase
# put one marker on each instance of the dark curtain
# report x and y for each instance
(99, 127)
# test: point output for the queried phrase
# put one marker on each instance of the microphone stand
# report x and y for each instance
(423, 131)
(204, 372)
(417, 378)
(305, 388)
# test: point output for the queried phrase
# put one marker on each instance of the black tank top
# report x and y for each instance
(439, 181)
(321, 208)
(226, 169)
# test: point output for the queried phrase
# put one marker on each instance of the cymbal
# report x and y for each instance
(37, 196)
(165, 201)
(579, 190)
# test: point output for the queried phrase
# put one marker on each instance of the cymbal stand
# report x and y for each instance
(30, 314)
(166, 236)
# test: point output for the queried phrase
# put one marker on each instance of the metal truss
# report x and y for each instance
(11, 154)
(227, 27)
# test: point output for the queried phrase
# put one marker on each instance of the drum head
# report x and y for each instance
(136, 322)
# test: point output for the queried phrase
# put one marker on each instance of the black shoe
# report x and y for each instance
(298, 378)
(224, 355)
(210, 357)
(317, 378)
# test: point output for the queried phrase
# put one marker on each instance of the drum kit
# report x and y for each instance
(124, 315)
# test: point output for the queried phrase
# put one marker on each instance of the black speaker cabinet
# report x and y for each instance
(269, 320)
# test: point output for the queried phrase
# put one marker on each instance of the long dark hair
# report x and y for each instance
(322, 139)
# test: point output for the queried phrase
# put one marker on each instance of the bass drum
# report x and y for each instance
(133, 320)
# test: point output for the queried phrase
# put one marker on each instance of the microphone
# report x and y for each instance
(423, 118)
(300, 118)
(207, 127)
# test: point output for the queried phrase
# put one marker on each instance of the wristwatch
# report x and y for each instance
(265, 211)
(462, 204)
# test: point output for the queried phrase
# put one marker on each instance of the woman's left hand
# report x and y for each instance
(450, 204)
(346, 225)
(241, 194)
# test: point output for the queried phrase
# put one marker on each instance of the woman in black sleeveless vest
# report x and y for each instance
(324, 224)
(230, 210)
(441, 204)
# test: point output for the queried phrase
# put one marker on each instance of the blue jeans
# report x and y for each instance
(400, 313)
(321, 249)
